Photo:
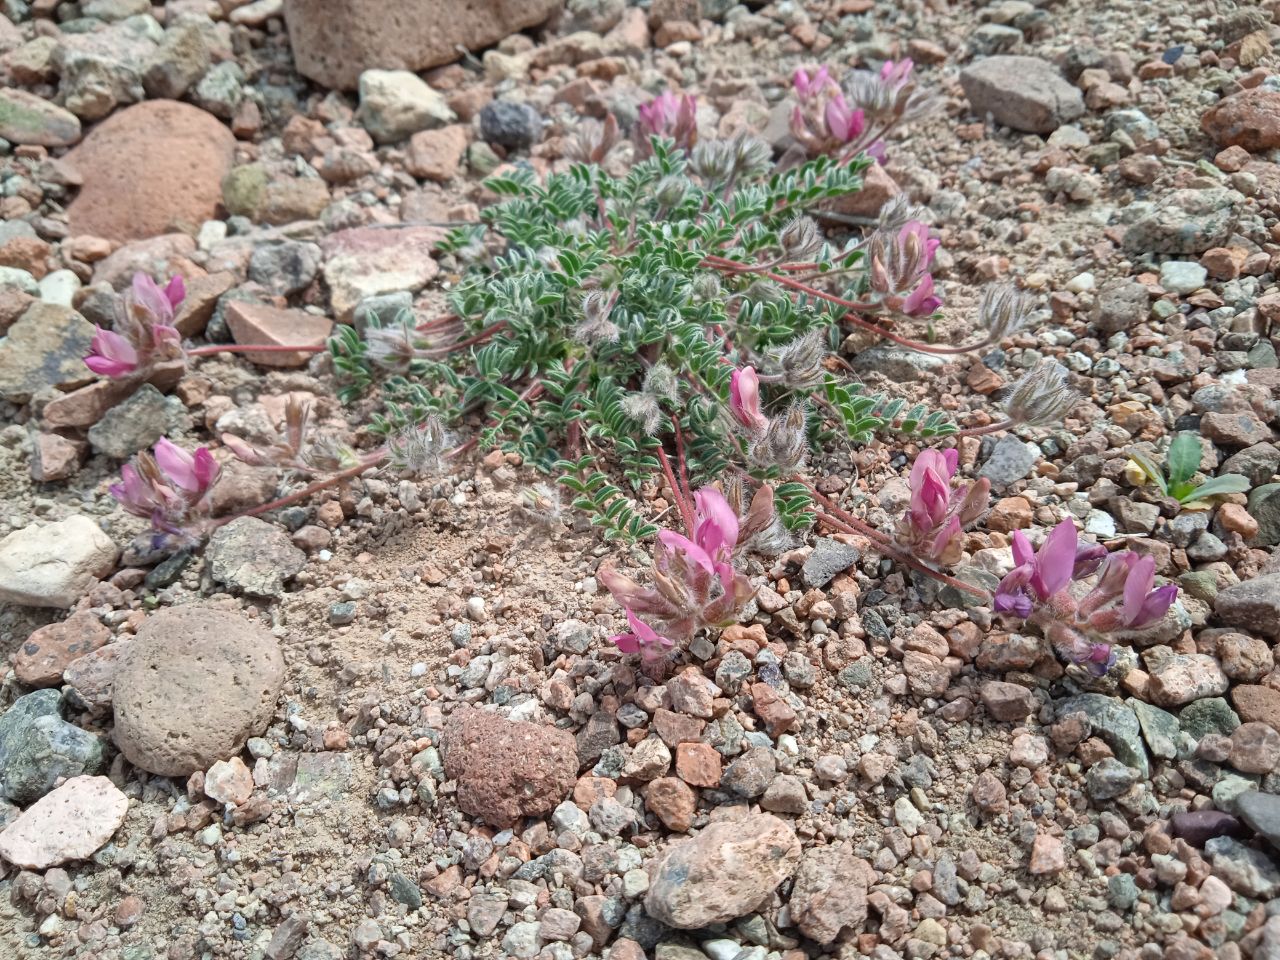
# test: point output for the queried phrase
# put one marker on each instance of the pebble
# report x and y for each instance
(724, 872)
(510, 124)
(829, 893)
(48, 651)
(71, 823)
(54, 564)
(395, 104)
(1253, 605)
(38, 748)
(1182, 276)
(253, 555)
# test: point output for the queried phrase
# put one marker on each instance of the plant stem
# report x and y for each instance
(686, 514)
(852, 524)
(372, 461)
(983, 431)
(252, 348)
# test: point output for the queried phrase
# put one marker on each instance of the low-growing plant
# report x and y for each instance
(1174, 478)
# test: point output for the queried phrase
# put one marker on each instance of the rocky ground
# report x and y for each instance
(387, 721)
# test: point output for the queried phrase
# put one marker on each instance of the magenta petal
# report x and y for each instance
(717, 524)
(1156, 604)
(176, 292)
(626, 642)
(944, 538)
(678, 543)
(921, 301)
(206, 468)
(1023, 554)
(952, 459)
(1141, 576)
(148, 295)
(177, 465)
(1057, 558)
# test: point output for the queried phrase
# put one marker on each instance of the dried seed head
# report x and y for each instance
(595, 326)
(419, 450)
(706, 287)
(763, 291)
(712, 161)
(785, 443)
(660, 384)
(898, 211)
(390, 347)
(671, 191)
(799, 362)
(328, 454)
(751, 155)
(1003, 310)
(800, 239)
(1042, 396)
(540, 506)
(594, 140)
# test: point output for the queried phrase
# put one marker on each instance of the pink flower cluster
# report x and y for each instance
(670, 116)
(823, 121)
(933, 526)
(695, 583)
(169, 487)
(1123, 597)
(144, 331)
(901, 269)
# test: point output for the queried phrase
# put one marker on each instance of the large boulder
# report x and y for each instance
(148, 170)
(334, 41)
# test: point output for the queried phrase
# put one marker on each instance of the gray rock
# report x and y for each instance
(1261, 811)
(598, 16)
(1130, 127)
(54, 564)
(37, 747)
(403, 890)
(1253, 604)
(750, 774)
(897, 363)
(1210, 715)
(992, 38)
(829, 557)
(221, 89)
(507, 123)
(1115, 723)
(1183, 221)
(1109, 778)
(1182, 276)
(1159, 728)
(1264, 507)
(94, 81)
(285, 268)
(138, 423)
(1245, 870)
(1121, 304)
(1010, 461)
(28, 119)
(45, 348)
(178, 63)
(1025, 93)
(254, 556)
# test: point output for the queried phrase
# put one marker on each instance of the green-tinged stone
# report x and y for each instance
(1115, 723)
(1210, 715)
(1159, 728)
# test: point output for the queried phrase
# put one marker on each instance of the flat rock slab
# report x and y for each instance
(71, 823)
(150, 169)
(192, 687)
(1025, 93)
(255, 323)
(45, 348)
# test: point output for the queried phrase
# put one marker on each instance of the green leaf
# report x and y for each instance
(1154, 473)
(1227, 483)
(1184, 458)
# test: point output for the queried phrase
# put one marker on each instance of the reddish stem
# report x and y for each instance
(983, 431)
(686, 514)
(374, 460)
(252, 348)
(852, 524)
(684, 473)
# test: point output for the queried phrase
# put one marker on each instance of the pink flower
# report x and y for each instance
(715, 523)
(807, 86)
(158, 303)
(1037, 576)
(843, 123)
(194, 473)
(921, 302)
(642, 639)
(112, 355)
(915, 235)
(669, 115)
(744, 399)
(1125, 595)
(937, 513)
(896, 75)
(931, 486)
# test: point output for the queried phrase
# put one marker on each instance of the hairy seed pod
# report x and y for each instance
(1042, 396)
(785, 443)
(799, 362)
(1003, 310)
(800, 239)
(671, 191)
(419, 450)
(897, 212)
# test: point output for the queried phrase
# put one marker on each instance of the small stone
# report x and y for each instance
(1025, 93)
(1198, 827)
(724, 872)
(396, 103)
(252, 323)
(672, 802)
(830, 893)
(437, 154)
(507, 123)
(49, 650)
(1253, 605)
(45, 348)
(54, 564)
(750, 774)
(698, 764)
(1006, 702)
(1261, 811)
(28, 119)
(785, 795)
(829, 557)
(1011, 460)
(1182, 276)
(1047, 855)
(506, 769)
(253, 555)
(71, 823)
(1255, 747)
(1246, 871)
(38, 747)
(138, 423)
(1248, 119)
(283, 268)
(1182, 678)
(228, 782)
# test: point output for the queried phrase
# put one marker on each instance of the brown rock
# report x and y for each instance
(334, 41)
(1257, 703)
(676, 728)
(1006, 701)
(1182, 678)
(70, 823)
(161, 257)
(92, 677)
(698, 764)
(437, 154)
(49, 650)
(1234, 429)
(830, 892)
(672, 802)
(26, 253)
(129, 911)
(201, 300)
(1047, 855)
(192, 687)
(1255, 747)
(255, 323)
(878, 188)
(507, 770)
(726, 871)
(776, 714)
(1249, 119)
(149, 169)
(54, 457)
